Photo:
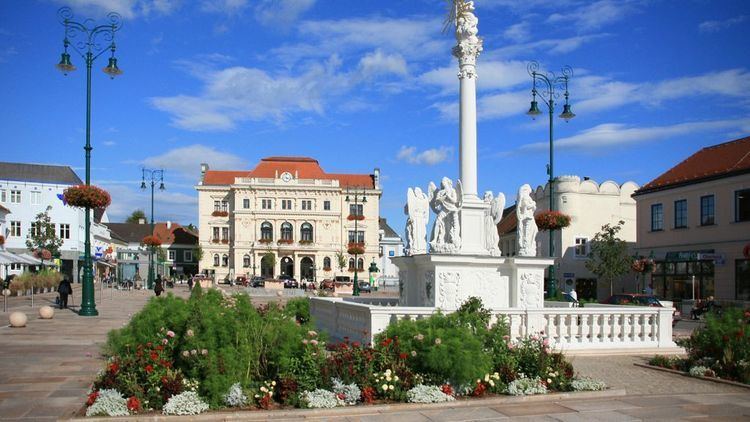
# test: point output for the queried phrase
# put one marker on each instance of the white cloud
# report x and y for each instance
(716, 26)
(226, 7)
(186, 160)
(281, 12)
(109, 143)
(594, 15)
(127, 8)
(431, 156)
(379, 63)
(609, 135)
(492, 75)
(518, 32)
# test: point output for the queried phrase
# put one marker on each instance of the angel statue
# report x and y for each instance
(527, 230)
(418, 211)
(446, 202)
(492, 215)
(461, 13)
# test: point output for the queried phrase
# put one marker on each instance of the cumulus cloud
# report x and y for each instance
(128, 9)
(594, 15)
(430, 157)
(378, 63)
(186, 161)
(716, 26)
(281, 12)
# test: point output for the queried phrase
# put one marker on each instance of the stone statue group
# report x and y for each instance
(446, 203)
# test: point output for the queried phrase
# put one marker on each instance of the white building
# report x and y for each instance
(27, 190)
(287, 217)
(391, 246)
(590, 205)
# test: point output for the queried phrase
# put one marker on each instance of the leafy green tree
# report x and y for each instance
(43, 237)
(198, 253)
(341, 260)
(136, 216)
(270, 258)
(609, 257)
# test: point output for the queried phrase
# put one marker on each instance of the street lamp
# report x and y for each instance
(550, 82)
(152, 177)
(89, 42)
(359, 199)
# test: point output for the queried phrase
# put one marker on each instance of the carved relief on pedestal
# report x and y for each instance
(531, 290)
(448, 290)
(429, 285)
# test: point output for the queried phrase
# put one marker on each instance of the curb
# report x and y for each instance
(685, 374)
(363, 410)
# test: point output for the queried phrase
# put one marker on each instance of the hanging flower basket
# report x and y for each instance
(152, 241)
(642, 265)
(552, 220)
(43, 254)
(83, 196)
(356, 250)
(220, 213)
(357, 217)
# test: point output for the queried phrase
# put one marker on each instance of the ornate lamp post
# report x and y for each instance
(550, 82)
(89, 42)
(152, 177)
(359, 199)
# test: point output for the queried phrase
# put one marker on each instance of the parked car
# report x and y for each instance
(639, 299)
(290, 283)
(364, 287)
(258, 281)
(241, 280)
(328, 284)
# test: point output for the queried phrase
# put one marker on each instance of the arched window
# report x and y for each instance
(225, 260)
(216, 260)
(351, 263)
(286, 231)
(246, 261)
(326, 263)
(306, 232)
(266, 231)
(360, 264)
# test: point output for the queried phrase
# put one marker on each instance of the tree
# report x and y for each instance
(269, 257)
(43, 236)
(609, 257)
(136, 216)
(341, 260)
(198, 253)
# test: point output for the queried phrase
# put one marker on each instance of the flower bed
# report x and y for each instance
(719, 349)
(86, 196)
(552, 220)
(216, 351)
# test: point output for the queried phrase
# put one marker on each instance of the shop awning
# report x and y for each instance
(8, 258)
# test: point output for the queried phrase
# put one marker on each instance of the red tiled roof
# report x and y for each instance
(300, 167)
(509, 221)
(722, 160)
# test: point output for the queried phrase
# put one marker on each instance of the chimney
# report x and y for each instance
(169, 225)
(204, 169)
(376, 176)
(141, 221)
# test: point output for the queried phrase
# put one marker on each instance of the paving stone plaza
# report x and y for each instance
(47, 367)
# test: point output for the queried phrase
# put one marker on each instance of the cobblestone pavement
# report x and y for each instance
(47, 367)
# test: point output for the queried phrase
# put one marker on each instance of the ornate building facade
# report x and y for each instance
(287, 216)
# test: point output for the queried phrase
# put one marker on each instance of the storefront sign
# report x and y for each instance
(717, 258)
(686, 255)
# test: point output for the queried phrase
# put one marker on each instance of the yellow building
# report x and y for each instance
(287, 216)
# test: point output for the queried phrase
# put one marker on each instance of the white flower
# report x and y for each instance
(388, 378)
(186, 403)
(395, 378)
(385, 387)
(492, 383)
(487, 377)
(390, 387)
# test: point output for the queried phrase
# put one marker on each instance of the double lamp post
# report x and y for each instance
(151, 177)
(550, 85)
(359, 199)
(89, 42)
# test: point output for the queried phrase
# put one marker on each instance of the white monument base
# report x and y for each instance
(446, 281)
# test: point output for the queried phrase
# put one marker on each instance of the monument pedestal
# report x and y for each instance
(446, 281)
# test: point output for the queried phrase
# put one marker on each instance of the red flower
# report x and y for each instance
(387, 342)
(479, 389)
(160, 347)
(154, 356)
(368, 394)
(149, 368)
(356, 344)
(133, 404)
(740, 333)
(148, 344)
(114, 367)
(403, 356)
(92, 398)
(447, 389)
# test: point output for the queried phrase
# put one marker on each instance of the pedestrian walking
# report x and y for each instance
(64, 289)
(158, 286)
(190, 283)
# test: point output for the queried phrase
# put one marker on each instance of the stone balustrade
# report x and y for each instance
(589, 329)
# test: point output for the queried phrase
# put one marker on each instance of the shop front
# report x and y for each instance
(684, 275)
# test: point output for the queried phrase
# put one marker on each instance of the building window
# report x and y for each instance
(680, 214)
(217, 205)
(64, 231)
(36, 198)
(286, 204)
(216, 233)
(33, 231)
(742, 279)
(360, 264)
(307, 205)
(582, 247)
(225, 233)
(224, 206)
(216, 260)
(355, 209)
(707, 210)
(246, 203)
(356, 237)
(741, 205)
(15, 197)
(306, 232)
(172, 255)
(266, 231)
(188, 256)
(657, 217)
(225, 260)
(351, 264)
(15, 228)
(3, 195)
(391, 252)
(327, 205)
(326, 263)
(266, 204)
(246, 261)
(286, 231)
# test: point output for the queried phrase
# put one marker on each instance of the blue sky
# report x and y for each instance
(364, 84)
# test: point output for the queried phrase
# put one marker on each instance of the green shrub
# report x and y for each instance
(299, 308)
(724, 340)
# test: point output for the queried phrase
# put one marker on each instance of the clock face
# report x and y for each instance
(286, 176)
